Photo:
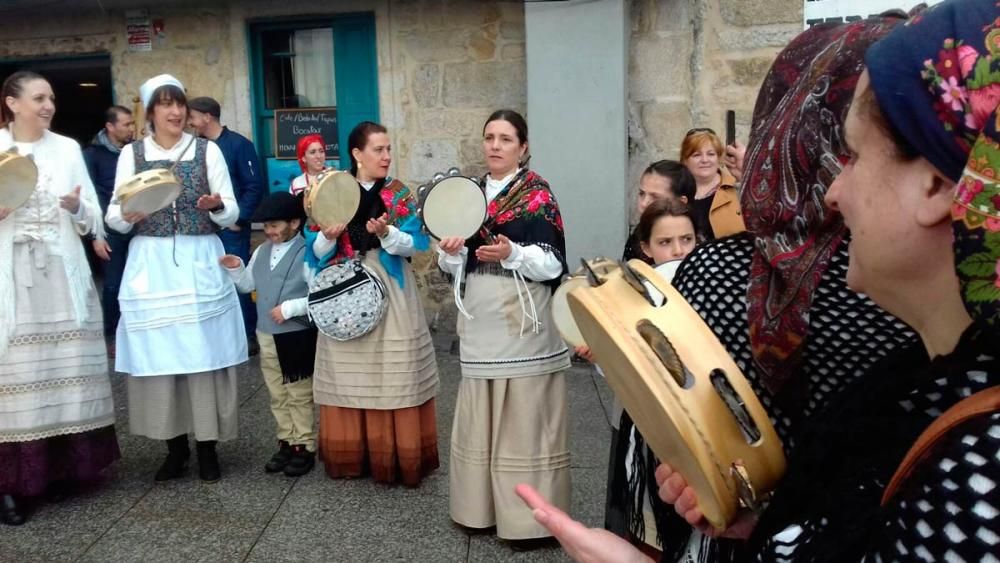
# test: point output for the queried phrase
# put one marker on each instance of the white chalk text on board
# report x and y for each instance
(292, 124)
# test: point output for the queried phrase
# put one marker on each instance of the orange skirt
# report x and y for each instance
(393, 445)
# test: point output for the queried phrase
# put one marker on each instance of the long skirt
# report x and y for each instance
(376, 393)
(509, 431)
(56, 408)
(165, 406)
(391, 367)
(392, 445)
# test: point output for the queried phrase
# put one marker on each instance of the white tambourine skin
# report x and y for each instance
(18, 178)
(454, 207)
(333, 199)
(151, 200)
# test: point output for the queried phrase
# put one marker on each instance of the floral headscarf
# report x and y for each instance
(937, 80)
(795, 149)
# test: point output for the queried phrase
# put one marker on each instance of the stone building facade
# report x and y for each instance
(691, 60)
(443, 65)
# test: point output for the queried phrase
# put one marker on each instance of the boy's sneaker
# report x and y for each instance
(280, 458)
(302, 462)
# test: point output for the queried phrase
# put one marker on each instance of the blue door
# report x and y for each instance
(311, 63)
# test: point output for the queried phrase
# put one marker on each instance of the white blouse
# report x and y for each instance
(218, 178)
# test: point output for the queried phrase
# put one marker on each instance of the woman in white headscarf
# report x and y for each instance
(181, 332)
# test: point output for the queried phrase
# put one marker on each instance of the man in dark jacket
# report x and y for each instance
(101, 156)
(248, 185)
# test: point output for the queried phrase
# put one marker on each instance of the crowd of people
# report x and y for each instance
(848, 259)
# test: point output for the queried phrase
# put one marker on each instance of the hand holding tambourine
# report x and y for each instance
(4, 212)
(674, 490)
(451, 245)
(334, 232)
(134, 217)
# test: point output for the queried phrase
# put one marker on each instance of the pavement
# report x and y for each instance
(257, 517)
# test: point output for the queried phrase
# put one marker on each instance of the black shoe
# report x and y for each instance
(208, 462)
(57, 491)
(178, 454)
(534, 544)
(10, 513)
(253, 347)
(280, 458)
(302, 462)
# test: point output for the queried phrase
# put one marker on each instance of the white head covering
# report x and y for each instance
(150, 86)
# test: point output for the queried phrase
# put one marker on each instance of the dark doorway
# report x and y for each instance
(82, 86)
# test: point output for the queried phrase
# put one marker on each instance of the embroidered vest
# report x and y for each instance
(182, 218)
(282, 283)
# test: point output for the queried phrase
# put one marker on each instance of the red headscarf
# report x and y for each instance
(794, 152)
(303, 145)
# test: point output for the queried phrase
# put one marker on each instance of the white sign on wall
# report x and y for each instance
(138, 30)
(818, 11)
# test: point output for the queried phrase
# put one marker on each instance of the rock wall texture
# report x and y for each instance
(443, 66)
(691, 60)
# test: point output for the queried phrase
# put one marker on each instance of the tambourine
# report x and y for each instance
(452, 205)
(561, 315)
(686, 395)
(149, 191)
(333, 198)
(18, 178)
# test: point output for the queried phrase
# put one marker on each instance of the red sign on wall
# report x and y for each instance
(138, 30)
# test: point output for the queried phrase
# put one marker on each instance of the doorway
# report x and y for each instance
(82, 85)
(324, 67)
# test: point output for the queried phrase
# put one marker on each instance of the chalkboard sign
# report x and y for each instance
(291, 124)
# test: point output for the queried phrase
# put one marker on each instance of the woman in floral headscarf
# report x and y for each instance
(800, 334)
(922, 145)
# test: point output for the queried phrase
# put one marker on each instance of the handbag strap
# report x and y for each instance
(183, 152)
(983, 402)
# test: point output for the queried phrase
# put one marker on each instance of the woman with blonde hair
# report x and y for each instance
(716, 203)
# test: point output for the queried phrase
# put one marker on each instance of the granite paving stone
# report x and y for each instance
(253, 516)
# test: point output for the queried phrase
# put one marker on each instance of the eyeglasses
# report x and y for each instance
(700, 130)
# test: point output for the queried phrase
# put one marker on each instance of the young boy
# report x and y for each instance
(287, 340)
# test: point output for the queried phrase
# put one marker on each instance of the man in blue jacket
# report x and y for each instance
(101, 156)
(248, 184)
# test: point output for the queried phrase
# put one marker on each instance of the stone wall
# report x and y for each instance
(690, 61)
(444, 65)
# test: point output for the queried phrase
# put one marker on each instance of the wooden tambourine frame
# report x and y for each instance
(149, 191)
(562, 317)
(689, 399)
